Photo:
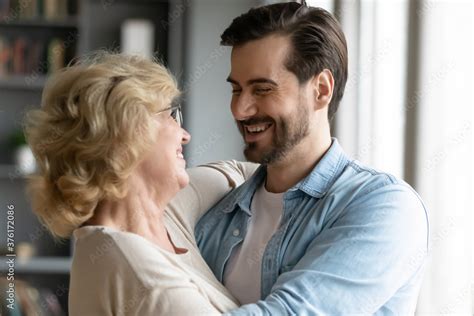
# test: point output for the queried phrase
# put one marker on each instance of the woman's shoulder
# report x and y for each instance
(102, 273)
(111, 252)
(114, 266)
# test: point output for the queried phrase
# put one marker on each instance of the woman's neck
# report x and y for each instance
(140, 212)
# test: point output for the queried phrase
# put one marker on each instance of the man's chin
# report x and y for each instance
(252, 159)
(252, 154)
(257, 155)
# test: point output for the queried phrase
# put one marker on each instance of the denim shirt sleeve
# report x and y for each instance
(376, 245)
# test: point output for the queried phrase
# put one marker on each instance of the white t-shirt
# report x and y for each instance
(120, 273)
(242, 274)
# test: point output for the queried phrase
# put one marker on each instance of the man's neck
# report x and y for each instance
(284, 174)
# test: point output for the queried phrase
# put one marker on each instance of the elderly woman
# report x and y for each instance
(108, 141)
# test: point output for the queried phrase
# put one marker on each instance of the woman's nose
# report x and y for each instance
(186, 137)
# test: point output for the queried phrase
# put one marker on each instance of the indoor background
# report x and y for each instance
(407, 110)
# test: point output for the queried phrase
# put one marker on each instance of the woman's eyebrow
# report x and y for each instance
(177, 100)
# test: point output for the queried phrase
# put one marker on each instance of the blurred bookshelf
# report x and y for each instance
(10, 172)
(50, 265)
(69, 22)
(37, 38)
(20, 82)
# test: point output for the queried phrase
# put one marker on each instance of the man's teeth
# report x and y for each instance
(257, 128)
(180, 155)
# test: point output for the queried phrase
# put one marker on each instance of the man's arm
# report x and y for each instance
(236, 172)
(357, 264)
(208, 184)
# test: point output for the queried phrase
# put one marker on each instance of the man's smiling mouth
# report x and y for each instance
(257, 128)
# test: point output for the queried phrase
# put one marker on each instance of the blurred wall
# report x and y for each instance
(206, 66)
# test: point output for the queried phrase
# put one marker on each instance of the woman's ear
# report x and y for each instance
(323, 85)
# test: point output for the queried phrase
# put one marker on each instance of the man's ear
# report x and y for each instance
(323, 85)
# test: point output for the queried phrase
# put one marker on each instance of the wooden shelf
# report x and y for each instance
(23, 82)
(59, 265)
(67, 23)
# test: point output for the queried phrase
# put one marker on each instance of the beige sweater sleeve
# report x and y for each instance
(208, 184)
(236, 172)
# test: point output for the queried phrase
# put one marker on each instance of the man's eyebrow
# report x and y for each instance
(252, 81)
(262, 80)
(229, 79)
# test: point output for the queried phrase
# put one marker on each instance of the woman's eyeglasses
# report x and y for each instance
(176, 113)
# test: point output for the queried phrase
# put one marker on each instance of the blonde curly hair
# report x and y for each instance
(93, 127)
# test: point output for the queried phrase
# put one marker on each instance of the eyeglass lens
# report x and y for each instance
(177, 116)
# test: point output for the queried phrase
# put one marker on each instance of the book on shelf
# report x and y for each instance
(56, 55)
(29, 56)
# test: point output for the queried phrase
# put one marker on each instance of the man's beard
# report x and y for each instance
(287, 134)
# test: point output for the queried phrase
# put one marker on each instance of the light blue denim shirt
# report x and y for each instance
(352, 240)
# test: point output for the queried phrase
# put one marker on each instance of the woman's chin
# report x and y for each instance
(183, 180)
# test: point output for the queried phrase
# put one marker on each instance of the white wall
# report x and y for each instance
(207, 94)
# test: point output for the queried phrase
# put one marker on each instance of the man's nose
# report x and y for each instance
(243, 107)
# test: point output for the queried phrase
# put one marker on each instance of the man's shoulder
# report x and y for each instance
(363, 179)
(368, 191)
(364, 190)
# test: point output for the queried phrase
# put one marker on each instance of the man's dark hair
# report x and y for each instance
(317, 38)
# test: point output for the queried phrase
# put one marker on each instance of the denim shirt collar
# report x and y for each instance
(316, 184)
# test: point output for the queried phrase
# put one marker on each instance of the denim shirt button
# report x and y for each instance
(236, 232)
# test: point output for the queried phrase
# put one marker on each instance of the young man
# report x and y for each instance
(312, 232)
